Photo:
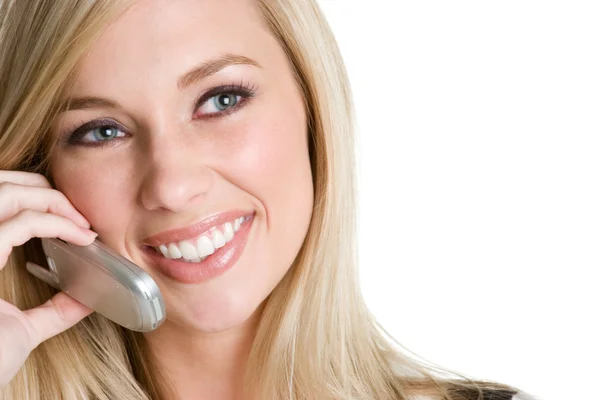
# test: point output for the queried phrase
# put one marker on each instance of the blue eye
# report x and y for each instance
(104, 133)
(219, 103)
(97, 133)
(224, 101)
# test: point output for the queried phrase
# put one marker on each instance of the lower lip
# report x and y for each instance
(212, 266)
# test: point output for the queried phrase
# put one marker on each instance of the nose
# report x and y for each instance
(175, 179)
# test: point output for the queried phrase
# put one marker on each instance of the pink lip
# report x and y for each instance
(216, 264)
(176, 235)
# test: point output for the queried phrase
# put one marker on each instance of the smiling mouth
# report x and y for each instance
(197, 249)
(217, 246)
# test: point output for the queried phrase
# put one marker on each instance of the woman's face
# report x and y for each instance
(186, 117)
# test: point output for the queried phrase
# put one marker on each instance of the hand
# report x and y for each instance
(30, 207)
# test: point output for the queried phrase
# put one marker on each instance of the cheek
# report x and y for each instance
(274, 167)
(96, 189)
(272, 157)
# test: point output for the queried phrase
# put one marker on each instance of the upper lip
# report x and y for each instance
(197, 229)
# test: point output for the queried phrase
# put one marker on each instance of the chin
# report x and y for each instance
(217, 315)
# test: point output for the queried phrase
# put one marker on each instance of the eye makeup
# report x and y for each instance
(75, 136)
(245, 91)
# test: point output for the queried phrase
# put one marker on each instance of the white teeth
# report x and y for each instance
(165, 252)
(204, 246)
(218, 239)
(188, 250)
(228, 231)
(197, 250)
(174, 251)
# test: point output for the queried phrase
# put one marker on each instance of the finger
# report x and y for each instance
(15, 198)
(24, 178)
(54, 316)
(28, 224)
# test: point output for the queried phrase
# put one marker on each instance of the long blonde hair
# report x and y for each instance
(316, 338)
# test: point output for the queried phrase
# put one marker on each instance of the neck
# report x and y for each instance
(204, 365)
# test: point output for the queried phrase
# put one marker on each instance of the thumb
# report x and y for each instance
(56, 315)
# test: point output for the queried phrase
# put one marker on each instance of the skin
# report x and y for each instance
(174, 166)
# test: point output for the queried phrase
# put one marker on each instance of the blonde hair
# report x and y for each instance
(316, 343)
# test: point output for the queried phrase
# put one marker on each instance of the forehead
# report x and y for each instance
(155, 37)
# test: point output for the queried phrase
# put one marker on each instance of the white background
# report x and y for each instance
(480, 183)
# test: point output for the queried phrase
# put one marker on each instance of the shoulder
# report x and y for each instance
(499, 394)
(506, 395)
(489, 394)
(523, 396)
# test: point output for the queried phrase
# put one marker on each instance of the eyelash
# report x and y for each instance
(246, 91)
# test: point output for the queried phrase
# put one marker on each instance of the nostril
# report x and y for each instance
(175, 187)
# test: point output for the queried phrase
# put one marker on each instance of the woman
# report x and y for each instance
(156, 125)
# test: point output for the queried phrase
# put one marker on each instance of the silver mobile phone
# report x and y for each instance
(104, 281)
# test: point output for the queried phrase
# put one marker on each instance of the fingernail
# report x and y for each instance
(90, 233)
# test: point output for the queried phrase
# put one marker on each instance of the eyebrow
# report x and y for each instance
(211, 67)
(200, 72)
